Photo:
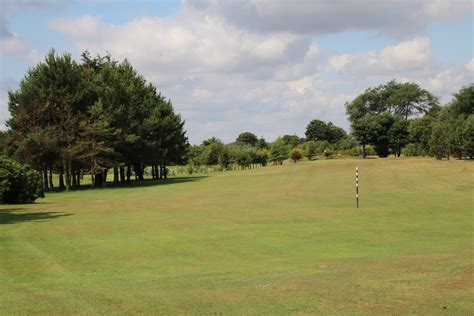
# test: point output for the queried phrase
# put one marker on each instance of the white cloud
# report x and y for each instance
(401, 18)
(404, 57)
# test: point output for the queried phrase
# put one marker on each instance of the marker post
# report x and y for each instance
(357, 186)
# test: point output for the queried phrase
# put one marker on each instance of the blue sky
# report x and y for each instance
(264, 66)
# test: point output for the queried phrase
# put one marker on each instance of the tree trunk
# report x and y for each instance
(74, 182)
(51, 186)
(78, 175)
(122, 174)
(165, 172)
(104, 177)
(68, 175)
(116, 176)
(45, 179)
(129, 173)
(61, 179)
(363, 151)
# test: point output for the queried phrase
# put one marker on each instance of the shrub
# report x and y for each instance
(296, 154)
(18, 183)
(413, 150)
(328, 153)
(310, 149)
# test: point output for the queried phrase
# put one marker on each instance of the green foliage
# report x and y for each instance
(279, 151)
(467, 135)
(310, 149)
(413, 149)
(291, 140)
(318, 130)
(18, 183)
(296, 154)
(439, 142)
(398, 135)
(248, 138)
(346, 143)
(419, 133)
(372, 113)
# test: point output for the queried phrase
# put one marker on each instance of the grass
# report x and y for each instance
(274, 240)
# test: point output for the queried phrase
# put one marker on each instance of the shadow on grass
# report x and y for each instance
(137, 183)
(15, 215)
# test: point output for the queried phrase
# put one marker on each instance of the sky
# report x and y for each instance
(264, 66)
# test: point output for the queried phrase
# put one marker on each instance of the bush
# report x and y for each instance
(328, 153)
(18, 183)
(412, 150)
(296, 154)
(310, 149)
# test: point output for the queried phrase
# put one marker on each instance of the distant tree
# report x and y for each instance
(247, 138)
(213, 149)
(467, 133)
(407, 99)
(381, 125)
(419, 133)
(439, 141)
(262, 143)
(397, 100)
(318, 130)
(398, 135)
(291, 140)
(310, 149)
(279, 151)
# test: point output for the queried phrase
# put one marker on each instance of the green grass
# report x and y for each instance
(273, 240)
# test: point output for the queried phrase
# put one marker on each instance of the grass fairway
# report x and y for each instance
(274, 240)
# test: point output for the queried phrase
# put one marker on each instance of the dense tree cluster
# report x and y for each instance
(246, 152)
(402, 117)
(73, 118)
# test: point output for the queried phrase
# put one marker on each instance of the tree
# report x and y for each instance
(279, 151)
(439, 142)
(262, 143)
(419, 132)
(398, 135)
(397, 100)
(318, 130)
(291, 140)
(310, 149)
(468, 136)
(247, 138)
(381, 125)
(93, 146)
(407, 99)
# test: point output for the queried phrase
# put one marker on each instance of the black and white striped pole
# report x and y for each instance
(357, 186)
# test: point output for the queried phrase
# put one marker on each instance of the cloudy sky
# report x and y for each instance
(266, 66)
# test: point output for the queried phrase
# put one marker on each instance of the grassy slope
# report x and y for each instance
(271, 240)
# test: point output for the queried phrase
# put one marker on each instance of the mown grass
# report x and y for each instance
(274, 240)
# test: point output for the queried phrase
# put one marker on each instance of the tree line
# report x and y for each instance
(97, 115)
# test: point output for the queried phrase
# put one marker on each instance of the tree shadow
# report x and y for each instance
(16, 215)
(137, 183)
